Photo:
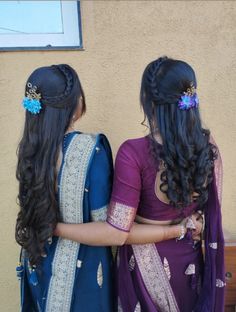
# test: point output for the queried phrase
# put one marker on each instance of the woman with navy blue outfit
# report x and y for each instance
(63, 175)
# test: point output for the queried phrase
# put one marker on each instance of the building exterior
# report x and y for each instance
(119, 39)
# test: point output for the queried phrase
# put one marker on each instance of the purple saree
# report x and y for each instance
(169, 276)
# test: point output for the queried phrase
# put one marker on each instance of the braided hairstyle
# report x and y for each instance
(186, 153)
(38, 152)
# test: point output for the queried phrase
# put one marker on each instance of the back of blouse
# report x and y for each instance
(134, 188)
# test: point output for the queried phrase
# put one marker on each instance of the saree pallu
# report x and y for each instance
(155, 276)
(169, 276)
(71, 276)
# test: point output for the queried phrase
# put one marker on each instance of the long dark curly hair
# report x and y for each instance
(38, 151)
(186, 152)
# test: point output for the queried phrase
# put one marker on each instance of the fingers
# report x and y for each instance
(198, 228)
(184, 221)
(197, 217)
(198, 222)
(197, 231)
(196, 237)
(195, 224)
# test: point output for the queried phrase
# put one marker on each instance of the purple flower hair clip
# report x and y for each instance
(189, 99)
(31, 101)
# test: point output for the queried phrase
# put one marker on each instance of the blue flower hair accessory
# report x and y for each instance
(189, 99)
(31, 101)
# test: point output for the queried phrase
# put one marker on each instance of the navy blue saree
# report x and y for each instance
(75, 277)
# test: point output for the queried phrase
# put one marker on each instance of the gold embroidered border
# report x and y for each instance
(99, 214)
(154, 277)
(73, 178)
(218, 172)
(121, 216)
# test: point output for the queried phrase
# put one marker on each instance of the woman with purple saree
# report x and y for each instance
(169, 276)
(172, 175)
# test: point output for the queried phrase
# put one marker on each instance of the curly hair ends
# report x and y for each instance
(186, 151)
(38, 151)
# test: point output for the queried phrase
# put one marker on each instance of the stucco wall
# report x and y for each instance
(120, 38)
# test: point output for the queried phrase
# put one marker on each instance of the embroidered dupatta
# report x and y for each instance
(84, 192)
(212, 295)
(73, 177)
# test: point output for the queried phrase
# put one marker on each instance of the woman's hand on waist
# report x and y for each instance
(195, 223)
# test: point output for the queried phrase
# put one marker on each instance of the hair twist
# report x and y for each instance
(60, 98)
(151, 74)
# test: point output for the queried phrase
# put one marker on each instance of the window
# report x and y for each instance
(40, 25)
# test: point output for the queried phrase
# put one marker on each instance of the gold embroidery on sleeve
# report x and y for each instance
(121, 216)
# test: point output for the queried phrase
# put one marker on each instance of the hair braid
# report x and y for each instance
(152, 71)
(67, 74)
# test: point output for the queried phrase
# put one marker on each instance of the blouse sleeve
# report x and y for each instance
(126, 189)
